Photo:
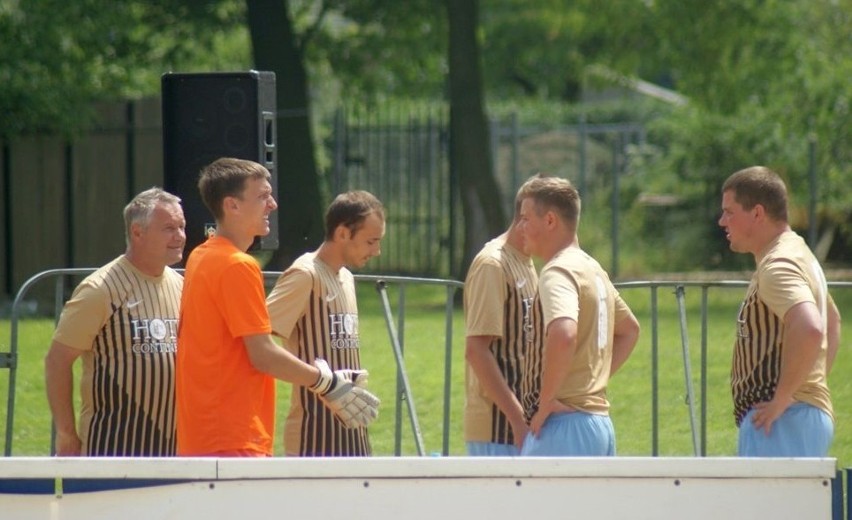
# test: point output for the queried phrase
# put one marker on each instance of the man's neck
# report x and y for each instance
(145, 266)
(514, 238)
(330, 256)
(236, 236)
(563, 243)
(768, 238)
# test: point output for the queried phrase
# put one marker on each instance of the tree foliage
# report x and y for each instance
(765, 78)
(542, 49)
(58, 56)
(376, 49)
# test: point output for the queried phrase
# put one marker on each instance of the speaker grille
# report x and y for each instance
(211, 115)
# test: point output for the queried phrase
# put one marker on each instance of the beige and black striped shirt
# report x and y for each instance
(315, 311)
(498, 297)
(126, 323)
(787, 274)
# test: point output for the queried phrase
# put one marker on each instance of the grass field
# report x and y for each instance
(424, 339)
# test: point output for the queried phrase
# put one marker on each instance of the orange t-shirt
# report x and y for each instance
(223, 402)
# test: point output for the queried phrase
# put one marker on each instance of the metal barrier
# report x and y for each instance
(396, 333)
(397, 342)
(11, 359)
(679, 288)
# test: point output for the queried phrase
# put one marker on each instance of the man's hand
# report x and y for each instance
(519, 431)
(68, 445)
(344, 394)
(545, 409)
(356, 377)
(767, 412)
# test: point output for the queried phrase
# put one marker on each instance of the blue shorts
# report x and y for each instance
(572, 434)
(802, 430)
(491, 449)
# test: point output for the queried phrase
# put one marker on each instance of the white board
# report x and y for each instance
(426, 488)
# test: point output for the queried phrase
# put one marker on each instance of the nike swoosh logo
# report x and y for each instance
(520, 283)
(330, 297)
(131, 305)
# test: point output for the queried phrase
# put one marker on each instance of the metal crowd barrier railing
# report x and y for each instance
(698, 426)
(9, 360)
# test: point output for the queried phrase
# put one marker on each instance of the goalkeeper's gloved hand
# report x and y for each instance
(344, 393)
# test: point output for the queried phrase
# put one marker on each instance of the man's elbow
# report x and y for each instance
(259, 361)
(476, 347)
(635, 329)
(811, 338)
(470, 355)
(834, 321)
(628, 330)
(55, 362)
(257, 353)
(473, 354)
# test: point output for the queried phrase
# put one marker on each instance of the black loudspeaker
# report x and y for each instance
(211, 115)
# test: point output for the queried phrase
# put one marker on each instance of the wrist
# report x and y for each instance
(66, 431)
(326, 379)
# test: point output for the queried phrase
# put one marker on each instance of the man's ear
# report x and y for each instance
(550, 219)
(136, 230)
(230, 204)
(341, 233)
(759, 211)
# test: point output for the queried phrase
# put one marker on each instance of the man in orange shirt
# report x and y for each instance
(227, 360)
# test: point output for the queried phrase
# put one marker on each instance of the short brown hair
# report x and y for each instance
(759, 185)
(350, 209)
(226, 177)
(552, 193)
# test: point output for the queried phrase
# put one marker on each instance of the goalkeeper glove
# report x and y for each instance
(344, 393)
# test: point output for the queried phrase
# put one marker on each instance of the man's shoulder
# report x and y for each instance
(575, 264)
(115, 269)
(489, 257)
(306, 262)
(484, 266)
(790, 253)
(570, 260)
(218, 257)
(302, 269)
(172, 275)
(298, 277)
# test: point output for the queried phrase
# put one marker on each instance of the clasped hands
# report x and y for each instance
(344, 393)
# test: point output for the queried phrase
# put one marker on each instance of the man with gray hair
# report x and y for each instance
(122, 320)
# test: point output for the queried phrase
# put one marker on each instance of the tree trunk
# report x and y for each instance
(470, 155)
(300, 208)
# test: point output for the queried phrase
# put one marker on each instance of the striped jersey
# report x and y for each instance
(126, 324)
(573, 285)
(314, 310)
(498, 294)
(788, 274)
(533, 364)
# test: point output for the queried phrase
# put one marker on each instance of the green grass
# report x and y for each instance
(424, 333)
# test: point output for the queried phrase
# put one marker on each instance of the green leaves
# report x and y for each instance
(58, 56)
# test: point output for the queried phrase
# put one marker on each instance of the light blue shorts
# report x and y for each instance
(802, 430)
(572, 434)
(491, 449)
